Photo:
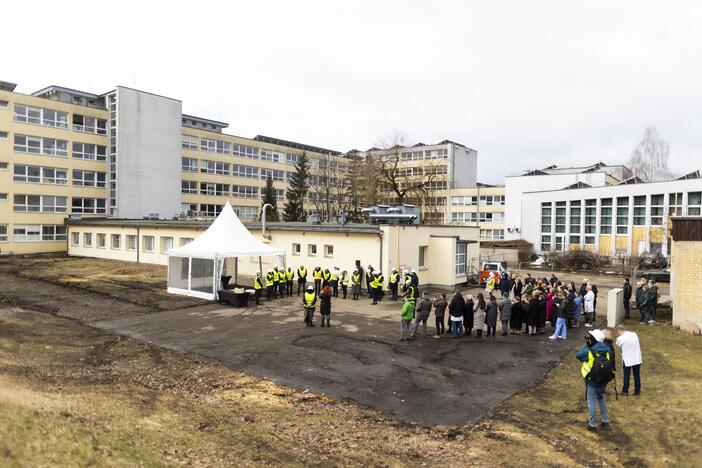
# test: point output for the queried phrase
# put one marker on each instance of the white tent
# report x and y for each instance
(195, 269)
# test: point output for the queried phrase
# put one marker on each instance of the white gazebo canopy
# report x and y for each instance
(195, 269)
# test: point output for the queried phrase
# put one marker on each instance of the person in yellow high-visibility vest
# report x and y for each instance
(309, 300)
(270, 284)
(355, 284)
(344, 280)
(289, 275)
(334, 282)
(276, 281)
(394, 283)
(317, 276)
(281, 282)
(596, 370)
(258, 287)
(301, 279)
(326, 277)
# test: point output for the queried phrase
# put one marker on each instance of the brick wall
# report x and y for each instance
(685, 287)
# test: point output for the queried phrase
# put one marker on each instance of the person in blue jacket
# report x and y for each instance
(595, 391)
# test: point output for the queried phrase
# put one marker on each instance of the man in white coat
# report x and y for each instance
(589, 306)
(628, 341)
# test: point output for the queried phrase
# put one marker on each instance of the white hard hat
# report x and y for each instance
(258, 272)
(598, 335)
(414, 271)
(379, 272)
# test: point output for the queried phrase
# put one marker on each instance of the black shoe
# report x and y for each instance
(604, 425)
(637, 393)
(591, 428)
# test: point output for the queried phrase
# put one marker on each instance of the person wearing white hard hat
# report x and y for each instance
(393, 284)
(309, 301)
(597, 372)
(301, 279)
(270, 285)
(258, 287)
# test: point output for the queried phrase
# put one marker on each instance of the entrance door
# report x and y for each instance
(560, 243)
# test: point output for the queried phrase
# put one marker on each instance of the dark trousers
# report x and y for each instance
(275, 290)
(289, 287)
(257, 295)
(370, 290)
(479, 332)
(379, 292)
(626, 308)
(281, 288)
(440, 325)
(301, 284)
(344, 288)
(637, 379)
(393, 291)
(374, 294)
(269, 293)
(335, 288)
(317, 286)
(490, 330)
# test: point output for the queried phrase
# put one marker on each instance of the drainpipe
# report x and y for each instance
(380, 260)
(137, 243)
(263, 220)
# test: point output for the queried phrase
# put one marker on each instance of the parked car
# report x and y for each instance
(653, 260)
(661, 276)
(492, 267)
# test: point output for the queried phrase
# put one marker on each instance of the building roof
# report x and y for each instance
(292, 144)
(206, 121)
(62, 89)
(7, 86)
(692, 175)
(553, 169)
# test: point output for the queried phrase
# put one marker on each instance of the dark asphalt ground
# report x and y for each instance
(429, 381)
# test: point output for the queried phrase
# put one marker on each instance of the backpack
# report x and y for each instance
(601, 372)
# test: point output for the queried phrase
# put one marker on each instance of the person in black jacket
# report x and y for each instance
(455, 309)
(468, 315)
(325, 305)
(627, 297)
(541, 317)
(515, 322)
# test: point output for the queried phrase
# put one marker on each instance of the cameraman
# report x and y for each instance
(597, 372)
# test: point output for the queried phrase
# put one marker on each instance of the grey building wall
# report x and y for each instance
(465, 167)
(148, 159)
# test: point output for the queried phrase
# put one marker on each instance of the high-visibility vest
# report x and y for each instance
(326, 276)
(356, 278)
(344, 279)
(302, 273)
(394, 278)
(258, 284)
(408, 276)
(409, 289)
(276, 278)
(379, 281)
(334, 276)
(309, 300)
(289, 274)
(317, 274)
(269, 280)
(587, 365)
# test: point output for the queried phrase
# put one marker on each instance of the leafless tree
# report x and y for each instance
(328, 186)
(649, 158)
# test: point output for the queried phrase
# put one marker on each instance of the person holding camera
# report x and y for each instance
(596, 371)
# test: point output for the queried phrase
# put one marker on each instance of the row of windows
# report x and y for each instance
(312, 250)
(54, 147)
(495, 234)
(33, 233)
(473, 217)
(409, 156)
(57, 204)
(57, 176)
(192, 187)
(615, 214)
(240, 170)
(483, 200)
(58, 119)
(148, 243)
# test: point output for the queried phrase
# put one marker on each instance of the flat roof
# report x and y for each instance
(292, 144)
(63, 89)
(208, 121)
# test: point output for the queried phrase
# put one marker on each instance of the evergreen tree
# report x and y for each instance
(297, 190)
(270, 197)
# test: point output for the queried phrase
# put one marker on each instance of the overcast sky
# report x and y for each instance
(526, 84)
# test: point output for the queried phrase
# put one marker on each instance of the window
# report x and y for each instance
(87, 124)
(574, 222)
(101, 240)
(491, 217)
(328, 250)
(464, 201)
(249, 172)
(40, 203)
(436, 170)
(47, 117)
(296, 249)
(3, 135)
(132, 242)
(53, 175)
(215, 146)
(185, 240)
(546, 243)
(291, 158)
(273, 156)
(3, 197)
(88, 239)
(437, 154)
(656, 210)
(495, 234)
(209, 188)
(490, 200)
(675, 204)
(88, 205)
(88, 178)
(244, 151)
(244, 191)
(246, 211)
(312, 250)
(3, 104)
(606, 216)
(279, 193)
(148, 243)
(560, 217)
(75, 238)
(188, 164)
(210, 210)
(276, 175)
(53, 233)
(412, 156)
(546, 211)
(436, 185)
(3, 232)
(589, 240)
(215, 167)
(166, 244)
(88, 151)
(116, 241)
(189, 142)
(590, 216)
(39, 145)
(423, 255)
(694, 203)
(461, 254)
(4, 166)
(188, 186)
(38, 174)
(640, 210)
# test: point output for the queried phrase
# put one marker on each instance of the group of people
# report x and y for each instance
(325, 284)
(646, 299)
(521, 305)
